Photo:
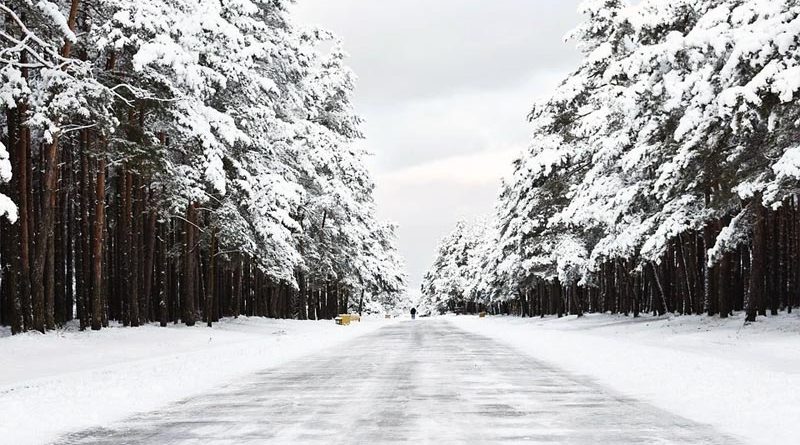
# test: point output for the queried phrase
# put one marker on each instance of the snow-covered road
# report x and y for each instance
(418, 381)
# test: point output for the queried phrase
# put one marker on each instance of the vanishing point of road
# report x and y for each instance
(423, 381)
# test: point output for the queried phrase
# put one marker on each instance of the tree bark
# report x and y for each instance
(211, 286)
(149, 263)
(45, 231)
(24, 222)
(755, 295)
(133, 251)
(190, 277)
(723, 286)
(97, 245)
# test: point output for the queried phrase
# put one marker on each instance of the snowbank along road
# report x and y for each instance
(422, 381)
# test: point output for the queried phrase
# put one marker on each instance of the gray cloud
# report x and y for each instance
(444, 87)
(407, 49)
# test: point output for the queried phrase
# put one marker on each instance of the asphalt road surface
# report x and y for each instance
(423, 381)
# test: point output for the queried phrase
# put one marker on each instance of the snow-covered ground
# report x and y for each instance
(744, 380)
(70, 380)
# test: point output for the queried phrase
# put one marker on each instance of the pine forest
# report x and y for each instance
(662, 174)
(176, 160)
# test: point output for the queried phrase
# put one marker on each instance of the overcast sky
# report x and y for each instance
(444, 87)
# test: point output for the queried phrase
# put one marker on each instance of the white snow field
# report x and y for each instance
(743, 380)
(69, 380)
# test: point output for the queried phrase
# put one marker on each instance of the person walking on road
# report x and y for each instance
(413, 313)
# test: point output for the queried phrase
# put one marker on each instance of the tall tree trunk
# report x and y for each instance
(98, 308)
(660, 289)
(211, 286)
(723, 286)
(755, 295)
(686, 271)
(709, 235)
(236, 298)
(59, 253)
(794, 263)
(40, 317)
(24, 222)
(50, 283)
(190, 278)
(70, 241)
(163, 275)
(133, 251)
(124, 238)
(149, 264)
(71, 19)
(85, 241)
(302, 304)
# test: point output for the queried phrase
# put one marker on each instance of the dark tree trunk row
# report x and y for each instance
(104, 249)
(760, 277)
